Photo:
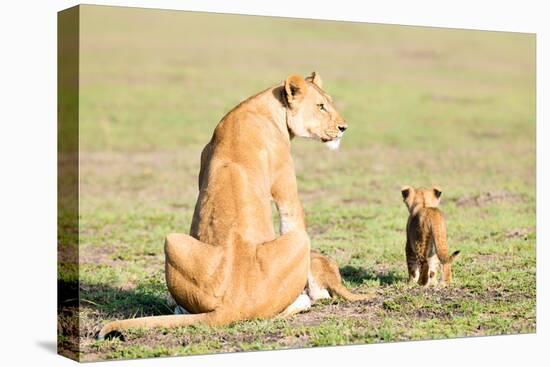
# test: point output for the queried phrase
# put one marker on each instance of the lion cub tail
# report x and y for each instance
(439, 234)
(343, 292)
(167, 321)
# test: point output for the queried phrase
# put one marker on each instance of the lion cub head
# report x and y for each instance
(420, 197)
(311, 111)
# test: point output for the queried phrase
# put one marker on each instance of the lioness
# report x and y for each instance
(232, 266)
(426, 246)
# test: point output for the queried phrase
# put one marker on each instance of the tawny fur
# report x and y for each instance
(426, 246)
(233, 266)
(327, 276)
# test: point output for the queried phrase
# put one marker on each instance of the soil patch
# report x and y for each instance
(488, 198)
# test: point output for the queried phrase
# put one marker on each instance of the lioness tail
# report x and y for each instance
(168, 321)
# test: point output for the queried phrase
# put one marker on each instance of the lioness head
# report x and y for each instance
(421, 197)
(311, 111)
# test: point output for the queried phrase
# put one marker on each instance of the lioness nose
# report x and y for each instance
(342, 128)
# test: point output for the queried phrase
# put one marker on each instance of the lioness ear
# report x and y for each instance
(406, 192)
(315, 78)
(437, 192)
(295, 89)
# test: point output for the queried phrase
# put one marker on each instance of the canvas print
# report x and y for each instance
(232, 183)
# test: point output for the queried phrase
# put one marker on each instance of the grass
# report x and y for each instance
(424, 106)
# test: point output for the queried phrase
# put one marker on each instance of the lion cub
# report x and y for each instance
(426, 246)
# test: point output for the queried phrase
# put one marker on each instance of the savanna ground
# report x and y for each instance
(424, 105)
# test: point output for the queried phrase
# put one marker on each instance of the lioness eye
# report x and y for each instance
(321, 107)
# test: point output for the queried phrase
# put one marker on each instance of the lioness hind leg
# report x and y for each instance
(192, 269)
(284, 265)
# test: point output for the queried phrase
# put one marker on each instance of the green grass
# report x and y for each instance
(424, 106)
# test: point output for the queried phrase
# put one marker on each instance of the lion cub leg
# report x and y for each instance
(314, 289)
(301, 304)
(447, 274)
(412, 264)
(433, 265)
(424, 278)
(414, 272)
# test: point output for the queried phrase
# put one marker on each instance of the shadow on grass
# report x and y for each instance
(148, 298)
(358, 275)
(105, 303)
(145, 300)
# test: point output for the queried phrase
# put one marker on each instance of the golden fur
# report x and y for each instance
(326, 276)
(233, 266)
(426, 246)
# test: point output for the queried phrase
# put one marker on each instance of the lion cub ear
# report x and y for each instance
(437, 191)
(408, 195)
(295, 89)
(406, 192)
(315, 78)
